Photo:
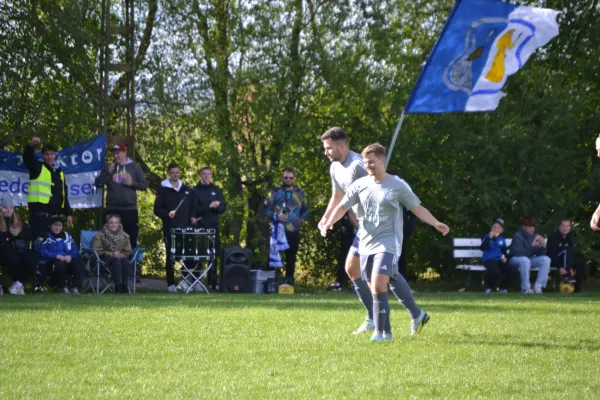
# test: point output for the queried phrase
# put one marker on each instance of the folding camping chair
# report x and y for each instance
(192, 247)
(98, 269)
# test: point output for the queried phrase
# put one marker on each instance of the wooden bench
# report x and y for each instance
(468, 256)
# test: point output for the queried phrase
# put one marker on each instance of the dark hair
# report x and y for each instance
(563, 220)
(374, 148)
(527, 221)
(172, 165)
(49, 147)
(206, 167)
(289, 170)
(336, 134)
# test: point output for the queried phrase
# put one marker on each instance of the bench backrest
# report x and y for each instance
(469, 247)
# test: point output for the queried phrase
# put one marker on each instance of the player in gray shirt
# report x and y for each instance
(380, 198)
(346, 167)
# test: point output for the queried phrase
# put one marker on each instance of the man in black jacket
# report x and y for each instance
(561, 251)
(175, 204)
(47, 191)
(210, 202)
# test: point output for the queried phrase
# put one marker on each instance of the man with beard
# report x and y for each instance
(287, 204)
(346, 167)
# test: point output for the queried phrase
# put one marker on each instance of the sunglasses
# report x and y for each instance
(288, 178)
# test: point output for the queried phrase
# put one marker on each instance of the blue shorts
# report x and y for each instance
(380, 263)
(354, 249)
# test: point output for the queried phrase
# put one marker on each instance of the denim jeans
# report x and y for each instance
(524, 264)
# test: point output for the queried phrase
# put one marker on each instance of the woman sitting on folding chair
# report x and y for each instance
(112, 244)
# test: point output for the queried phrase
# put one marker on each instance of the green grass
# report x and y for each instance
(259, 346)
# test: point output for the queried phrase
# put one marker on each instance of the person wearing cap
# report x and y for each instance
(16, 256)
(175, 205)
(493, 245)
(47, 192)
(61, 254)
(528, 250)
(123, 178)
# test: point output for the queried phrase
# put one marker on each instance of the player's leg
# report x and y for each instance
(401, 290)
(382, 268)
(361, 287)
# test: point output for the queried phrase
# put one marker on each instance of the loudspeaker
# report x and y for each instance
(235, 270)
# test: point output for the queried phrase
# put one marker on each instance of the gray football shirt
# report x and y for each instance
(379, 212)
(344, 174)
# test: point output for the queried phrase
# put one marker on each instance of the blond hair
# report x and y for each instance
(374, 148)
(16, 223)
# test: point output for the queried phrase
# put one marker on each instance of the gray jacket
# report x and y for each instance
(118, 195)
(521, 245)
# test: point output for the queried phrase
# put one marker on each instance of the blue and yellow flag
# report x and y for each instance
(483, 42)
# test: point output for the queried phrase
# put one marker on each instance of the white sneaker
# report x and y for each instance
(416, 325)
(538, 289)
(65, 290)
(75, 291)
(527, 291)
(366, 326)
(17, 289)
(172, 289)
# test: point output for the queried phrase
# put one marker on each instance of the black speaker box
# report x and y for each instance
(235, 270)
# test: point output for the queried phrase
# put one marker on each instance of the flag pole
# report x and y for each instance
(389, 153)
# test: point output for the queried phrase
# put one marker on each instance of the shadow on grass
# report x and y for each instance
(516, 341)
(448, 303)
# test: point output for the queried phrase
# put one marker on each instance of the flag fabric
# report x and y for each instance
(81, 163)
(482, 43)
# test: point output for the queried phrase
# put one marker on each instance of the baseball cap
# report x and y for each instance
(7, 202)
(119, 147)
(499, 221)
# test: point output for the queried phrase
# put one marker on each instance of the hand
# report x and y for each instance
(443, 228)
(59, 257)
(563, 271)
(215, 204)
(69, 221)
(111, 168)
(594, 222)
(282, 217)
(14, 231)
(194, 220)
(116, 254)
(127, 180)
(172, 214)
(324, 228)
(572, 272)
(67, 258)
(535, 244)
(492, 234)
(35, 141)
(504, 259)
(321, 223)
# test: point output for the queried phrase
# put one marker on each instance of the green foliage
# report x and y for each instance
(262, 346)
(248, 87)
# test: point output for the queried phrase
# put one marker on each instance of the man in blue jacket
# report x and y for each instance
(60, 252)
(526, 252)
(493, 246)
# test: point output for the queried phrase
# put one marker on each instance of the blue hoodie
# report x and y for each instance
(493, 249)
(62, 244)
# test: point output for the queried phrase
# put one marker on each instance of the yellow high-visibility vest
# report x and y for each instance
(40, 188)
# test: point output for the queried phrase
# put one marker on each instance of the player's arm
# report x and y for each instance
(337, 214)
(595, 218)
(336, 198)
(424, 215)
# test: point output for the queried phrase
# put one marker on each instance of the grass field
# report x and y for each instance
(259, 346)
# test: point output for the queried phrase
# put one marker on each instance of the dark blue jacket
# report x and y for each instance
(493, 249)
(62, 244)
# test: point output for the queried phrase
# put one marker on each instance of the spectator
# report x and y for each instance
(47, 192)
(60, 252)
(175, 204)
(16, 255)
(493, 246)
(528, 250)
(210, 202)
(113, 245)
(561, 250)
(287, 204)
(123, 178)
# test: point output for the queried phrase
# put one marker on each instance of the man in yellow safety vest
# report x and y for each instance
(47, 191)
